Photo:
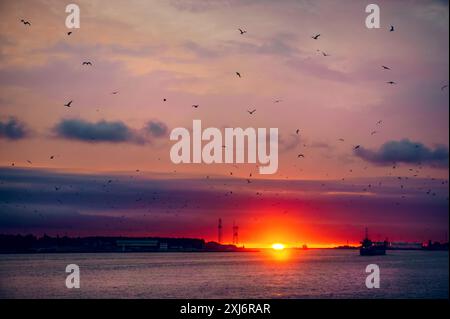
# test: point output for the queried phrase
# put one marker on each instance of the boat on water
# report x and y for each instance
(369, 248)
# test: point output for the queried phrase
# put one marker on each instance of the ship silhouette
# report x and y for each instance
(369, 248)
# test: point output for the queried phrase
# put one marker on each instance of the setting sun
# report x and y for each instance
(278, 246)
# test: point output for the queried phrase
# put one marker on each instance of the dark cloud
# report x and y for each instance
(157, 129)
(109, 131)
(405, 151)
(12, 129)
(42, 201)
(101, 131)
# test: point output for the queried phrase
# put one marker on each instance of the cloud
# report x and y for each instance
(109, 131)
(101, 131)
(157, 129)
(13, 129)
(43, 200)
(405, 151)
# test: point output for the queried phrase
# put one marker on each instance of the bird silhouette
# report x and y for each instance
(69, 104)
(357, 147)
(315, 37)
(297, 131)
(391, 82)
(325, 54)
(87, 63)
(25, 22)
(385, 67)
(251, 112)
(238, 74)
(300, 155)
(195, 106)
(115, 92)
(69, 33)
(444, 87)
(392, 29)
(242, 31)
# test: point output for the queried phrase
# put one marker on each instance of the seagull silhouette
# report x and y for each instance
(195, 106)
(325, 54)
(68, 104)
(25, 22)
(115, 92)
(300, 155)
(391, 82)
(297, 131)
(69, 33)
(385, 67)
(356, 147)
(392, 29)
(315, 37)
(242, 31)
(251, 112)
(87, 63)
(238, 74)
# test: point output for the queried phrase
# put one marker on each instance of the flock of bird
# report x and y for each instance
(150, 199)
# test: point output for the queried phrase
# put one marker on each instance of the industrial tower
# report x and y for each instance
(235, 234)
(219, 230)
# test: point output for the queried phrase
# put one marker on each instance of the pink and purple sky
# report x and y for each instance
(75, 169)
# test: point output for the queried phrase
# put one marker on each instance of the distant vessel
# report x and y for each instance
(369, 248)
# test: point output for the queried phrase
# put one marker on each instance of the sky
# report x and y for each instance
(102, 165)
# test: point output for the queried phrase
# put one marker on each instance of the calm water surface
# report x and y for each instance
(266, 274)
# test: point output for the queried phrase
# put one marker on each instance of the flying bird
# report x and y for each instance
(69, 33)
(242, 31)
(373, 132)
(341, 139)
(25, 22)
(300, 155)
(277, 101)
(195, 106)
(68, 104)
(325, 54)
(315, 37)
(87, 63)
(392, 29)
(357, 147)
(391, 82)
(297, 131)
(251, 112)
(444, 87)
(385, 67)
(115, 92)
(379, 122)
(238, 74)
